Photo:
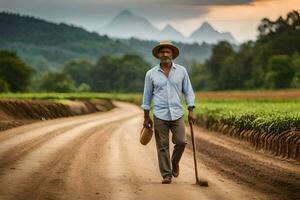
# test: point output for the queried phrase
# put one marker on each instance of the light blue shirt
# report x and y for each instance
(167, 91)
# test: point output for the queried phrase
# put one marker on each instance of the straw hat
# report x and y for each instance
(146, 135)
(168, 44)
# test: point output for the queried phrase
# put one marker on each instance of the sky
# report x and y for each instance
(240, 17)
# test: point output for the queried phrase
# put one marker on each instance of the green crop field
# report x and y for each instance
(133, 98)
(265, 116)
(271, 125)
(268, 120)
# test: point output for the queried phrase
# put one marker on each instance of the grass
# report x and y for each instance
(267, 112)
(133, 98)
(268, 116)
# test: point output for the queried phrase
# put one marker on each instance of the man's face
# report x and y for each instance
(165, 55)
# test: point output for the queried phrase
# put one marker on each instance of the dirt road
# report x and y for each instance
(98, 156)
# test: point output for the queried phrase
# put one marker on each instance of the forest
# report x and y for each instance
(270, 62)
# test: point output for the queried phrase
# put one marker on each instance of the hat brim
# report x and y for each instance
(145, 135)
(174, 49)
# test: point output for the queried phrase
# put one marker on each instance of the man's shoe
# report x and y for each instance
(175, 170)
(167, 180)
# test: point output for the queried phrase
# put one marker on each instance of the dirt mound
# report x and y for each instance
(18, 112)
(285, 145)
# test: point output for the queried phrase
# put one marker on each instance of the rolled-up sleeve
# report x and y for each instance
(187, 90)
(148, 91)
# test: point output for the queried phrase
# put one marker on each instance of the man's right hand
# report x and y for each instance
(148, 122)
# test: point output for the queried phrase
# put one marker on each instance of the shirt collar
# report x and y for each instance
(173, 66)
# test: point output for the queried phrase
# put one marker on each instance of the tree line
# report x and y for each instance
(109, 74)
(270, 62)
(46, 45)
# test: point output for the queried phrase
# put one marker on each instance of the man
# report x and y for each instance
(165, 84)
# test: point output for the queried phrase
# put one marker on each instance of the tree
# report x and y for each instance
(83, 87)
(119, 74)
(78, 70)
(57, 82)
(296, 67)
(244, 61)
(214, 65)
(40, 64)
(14, 73)
(105, 74)
(282, 35)
(4, 86)
(198, 75)
(133, 70)
(280, 72)
(230, 74)
(269, 30)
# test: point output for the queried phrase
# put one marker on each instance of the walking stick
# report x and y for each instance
(199, 182)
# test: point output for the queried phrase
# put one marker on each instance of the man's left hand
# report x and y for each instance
(191, 117)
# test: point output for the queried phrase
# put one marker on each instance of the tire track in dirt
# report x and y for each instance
(51, 181)
(39, 126)
(16, 147)
(130, 171)
(100, 157)
(11, 138)
(13, 147)
(12, 155)
(251, 169)
(34, 159)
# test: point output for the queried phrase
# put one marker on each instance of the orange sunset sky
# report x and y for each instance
(240, 17)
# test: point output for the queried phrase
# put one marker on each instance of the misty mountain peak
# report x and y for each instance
(206, 27)
(206, 33)
(169, 32)
(126, 13)
(129, 17)
(127, 24)
(205, 30)
(168, 27)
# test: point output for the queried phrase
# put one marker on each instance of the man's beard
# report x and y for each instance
(165, 60)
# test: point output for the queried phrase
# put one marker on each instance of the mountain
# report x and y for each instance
(168, 32)
(126, 25)
(206, 33)
(46, 45)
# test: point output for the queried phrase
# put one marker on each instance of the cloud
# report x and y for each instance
(89, 14)
(169, 13)
(214, 2)
(95, 14)
(105, 9)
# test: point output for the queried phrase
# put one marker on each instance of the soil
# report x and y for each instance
(98, 156)
(19, 112)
